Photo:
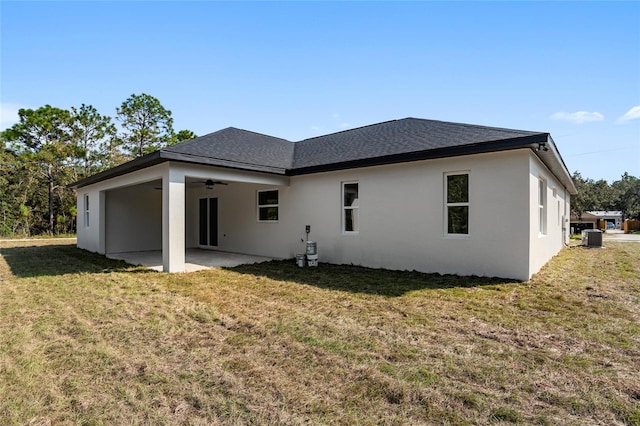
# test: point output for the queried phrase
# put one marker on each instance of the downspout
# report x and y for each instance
(564, 218)
(564, 215)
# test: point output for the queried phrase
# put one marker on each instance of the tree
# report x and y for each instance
(582, 201)
(111, 154)
(623, 195)
(182, 136)
(42, 141)
(91, 133)
(19, 186)
(592, 195)
(602, 195)
(51, 147)
(147, 125)
(627, 195)
(8, 167)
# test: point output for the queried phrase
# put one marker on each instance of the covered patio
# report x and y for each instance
(195, 259)
(154, 217)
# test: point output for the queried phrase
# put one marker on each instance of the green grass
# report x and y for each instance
(87, 340)
(35, 237)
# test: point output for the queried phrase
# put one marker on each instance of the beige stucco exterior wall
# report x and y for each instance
(239, 230)
(402, 210)
(401, 217)
(401, 214)
(543, 246)
(134, 219)
(94, 237)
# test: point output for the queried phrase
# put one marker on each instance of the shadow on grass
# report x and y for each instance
(50, 260)
(357, 279)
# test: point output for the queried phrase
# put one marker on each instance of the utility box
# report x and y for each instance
(592, 238)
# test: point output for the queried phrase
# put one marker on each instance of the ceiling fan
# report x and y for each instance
(210, 183)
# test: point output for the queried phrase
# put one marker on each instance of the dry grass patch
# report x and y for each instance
(87, 340)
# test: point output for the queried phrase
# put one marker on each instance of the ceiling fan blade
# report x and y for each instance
(208, 182)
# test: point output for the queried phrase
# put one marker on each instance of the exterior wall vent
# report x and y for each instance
(592, 238)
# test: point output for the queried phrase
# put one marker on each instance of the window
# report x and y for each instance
(268, 206)
(542, 206)
(555, 197)
(350, 207)
(457, 203)
(86, 210)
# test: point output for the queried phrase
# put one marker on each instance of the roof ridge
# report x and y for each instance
(479, 126)
(168, 148)
(258, 133)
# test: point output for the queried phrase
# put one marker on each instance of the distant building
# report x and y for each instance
(596, 220)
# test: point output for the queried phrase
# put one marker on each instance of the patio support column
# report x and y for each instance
(173, 220)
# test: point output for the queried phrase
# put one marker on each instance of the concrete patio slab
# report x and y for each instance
(195, 259)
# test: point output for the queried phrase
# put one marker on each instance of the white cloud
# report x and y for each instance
(578, 117)
(632, 114)
(8, 115)
(335, 115)
(344, 125)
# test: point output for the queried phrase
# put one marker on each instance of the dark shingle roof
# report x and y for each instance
(239, 146)
(391, 138)
(389, 142)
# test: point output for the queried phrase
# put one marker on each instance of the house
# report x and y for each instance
(596, 220)
(611, 219)
(585, 221)
(409, 194)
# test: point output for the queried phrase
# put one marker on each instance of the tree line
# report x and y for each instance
(622, 195)
(50, 148)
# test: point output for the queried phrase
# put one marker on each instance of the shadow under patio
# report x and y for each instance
(195, 259)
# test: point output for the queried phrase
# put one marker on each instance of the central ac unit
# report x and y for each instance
(592, 238)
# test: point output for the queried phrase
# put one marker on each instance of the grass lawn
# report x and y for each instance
(86, 340)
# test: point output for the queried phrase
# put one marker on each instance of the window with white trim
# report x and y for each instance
(555, 197)
(268, 205)
(350, 208)
(457, 203)
(542, 206)
(86, 210)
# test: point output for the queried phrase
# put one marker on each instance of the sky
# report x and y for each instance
(296, 70)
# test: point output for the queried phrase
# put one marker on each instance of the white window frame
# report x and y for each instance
(542, 206)
(262, 206)
(460, 204)
(554, 191)
(86, 210)
(354, 208)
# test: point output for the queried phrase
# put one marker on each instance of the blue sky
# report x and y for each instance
(301, 69)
